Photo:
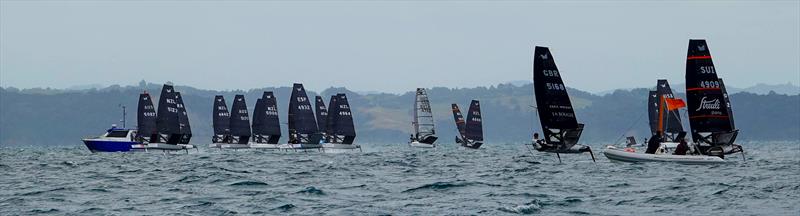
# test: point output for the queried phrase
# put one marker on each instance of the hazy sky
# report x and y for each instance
(389, 46)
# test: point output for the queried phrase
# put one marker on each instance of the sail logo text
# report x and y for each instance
(708, 104)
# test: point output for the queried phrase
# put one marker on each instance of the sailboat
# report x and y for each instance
(662, 106)
(221, 120)
(303, 131)
(671, 123)
(710, 114)
(340, 127)
(322, 116)
(424, 131)
(240, 124)
(269, 128)
(183, 121)
(471, 130)
(559, 124)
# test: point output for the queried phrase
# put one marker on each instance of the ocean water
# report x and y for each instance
(501, 179)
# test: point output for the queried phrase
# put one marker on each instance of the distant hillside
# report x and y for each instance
(62, 117)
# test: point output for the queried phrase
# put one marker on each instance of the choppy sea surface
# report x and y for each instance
(500, 179)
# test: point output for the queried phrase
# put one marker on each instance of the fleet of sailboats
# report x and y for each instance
(332, 127)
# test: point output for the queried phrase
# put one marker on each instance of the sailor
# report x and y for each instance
(653, 143)
(411, 137)
(538, 143)
(681, 148)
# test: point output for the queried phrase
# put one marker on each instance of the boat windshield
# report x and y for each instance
(118, 133)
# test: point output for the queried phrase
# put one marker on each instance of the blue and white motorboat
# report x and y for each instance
(114, 140)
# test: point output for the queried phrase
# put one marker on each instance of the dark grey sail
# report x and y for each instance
(330, 125)
(167, 118)
(272, 125)
(344, 131)
(424, 131)
(302, 123)
(240, 121)
(460, 123)
(727, 103)
(322, 114)
(559, 125)
(146, 119)
(221, 121)
(652, 111)
(183, 120)
(258, 122)
(708, 110)
(474, 126)
(671, 122)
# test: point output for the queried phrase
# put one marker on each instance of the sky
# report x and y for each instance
(390, 46)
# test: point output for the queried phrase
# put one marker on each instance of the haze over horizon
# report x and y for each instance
(389, 47)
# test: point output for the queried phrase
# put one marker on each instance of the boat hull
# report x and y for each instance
(263, 146)
(234, 146)
(301, 146)
(421, 145)
(95, 145)
(616, 154)
(473, 145)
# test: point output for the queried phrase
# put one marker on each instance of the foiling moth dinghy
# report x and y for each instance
(173, 131)
(710, 113)
(266, 124)
(424, 132)
(221, 121)
(556, 115)
(239, 125)
(303, 132)
(471, 129)
(337, 122)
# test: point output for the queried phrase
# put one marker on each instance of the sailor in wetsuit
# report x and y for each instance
(682, 148)
(539, 144)
(412, 138)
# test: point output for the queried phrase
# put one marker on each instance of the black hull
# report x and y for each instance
(474, 145)
(429, 139)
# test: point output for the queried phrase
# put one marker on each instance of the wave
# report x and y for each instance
(447, 185)
(248, 183)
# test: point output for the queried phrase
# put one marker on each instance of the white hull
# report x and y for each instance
(616, 154)
(421, 145)
(299, 146)
(263, 146)
(161, 147)
(234, 146)
(216, 145)
(337, 147)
